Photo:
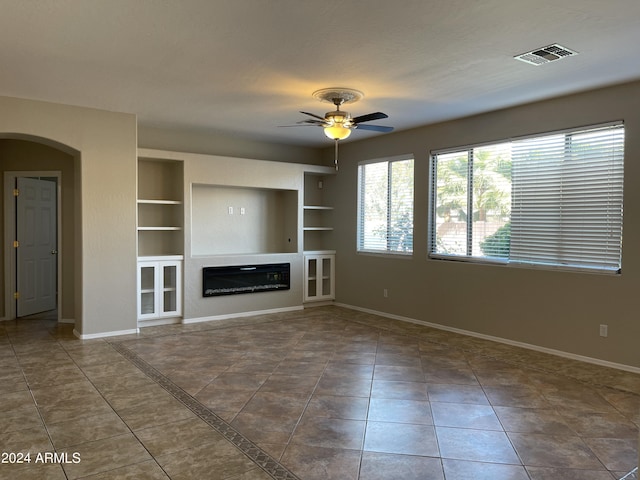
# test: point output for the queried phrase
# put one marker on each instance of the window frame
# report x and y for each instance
(431, 234)
(359, 219)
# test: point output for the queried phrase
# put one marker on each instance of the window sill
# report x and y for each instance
(530, 266)
(375, 253)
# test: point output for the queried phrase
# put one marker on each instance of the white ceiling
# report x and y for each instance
(244, 67)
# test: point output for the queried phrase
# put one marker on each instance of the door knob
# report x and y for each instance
(54, 252)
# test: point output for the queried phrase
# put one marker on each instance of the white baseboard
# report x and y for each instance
(240, 314)
(159, 321)
(551, 351)
(114, 333)
(174, 320)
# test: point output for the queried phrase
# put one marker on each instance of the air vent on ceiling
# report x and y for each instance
(546, 54)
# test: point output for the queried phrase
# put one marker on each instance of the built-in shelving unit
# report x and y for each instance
(160, 207)
(160, 240)
(319, 256)
(315, 218)
(317, 214)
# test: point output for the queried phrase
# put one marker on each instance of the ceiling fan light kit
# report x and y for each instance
(338, 124)
(337, 132)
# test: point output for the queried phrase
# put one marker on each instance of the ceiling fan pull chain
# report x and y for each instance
(336, 158)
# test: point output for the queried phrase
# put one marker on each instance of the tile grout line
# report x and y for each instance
(265, 461)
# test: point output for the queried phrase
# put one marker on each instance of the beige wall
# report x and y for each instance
(552, 309)
(21, 155)
(105, 241)
(217, 144)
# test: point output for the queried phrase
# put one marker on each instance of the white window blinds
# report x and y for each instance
(567, 198)
(385, 206)
(553, 200)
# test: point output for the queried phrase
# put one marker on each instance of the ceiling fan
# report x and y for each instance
(338, 124)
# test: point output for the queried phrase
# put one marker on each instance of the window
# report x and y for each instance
(385, 206)
(552, 200)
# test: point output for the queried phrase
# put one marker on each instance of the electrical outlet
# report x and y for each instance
(385, 293)
(604, 330)
(230, 210)
(242, 211)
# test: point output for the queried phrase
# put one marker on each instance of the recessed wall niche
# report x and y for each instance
(243, 220)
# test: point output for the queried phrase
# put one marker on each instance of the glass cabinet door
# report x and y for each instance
(147, 290)
(327, 277)
(312, 278)
(170, 288)
(319, 277)
(159, 289)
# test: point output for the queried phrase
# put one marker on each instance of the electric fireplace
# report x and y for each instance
(232, 280)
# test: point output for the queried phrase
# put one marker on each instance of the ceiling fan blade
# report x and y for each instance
(307, 123)
(375, 128)
(313, 115)
(302, 124)
(369, 117)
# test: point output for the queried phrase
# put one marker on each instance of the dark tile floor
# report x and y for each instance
(324, 393)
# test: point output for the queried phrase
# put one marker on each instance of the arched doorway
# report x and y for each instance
(35, 160)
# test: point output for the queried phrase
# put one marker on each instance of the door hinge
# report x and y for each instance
(16, 192)
(16, 244)
(16, 295)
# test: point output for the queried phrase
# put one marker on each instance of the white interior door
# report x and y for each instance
(36, 259)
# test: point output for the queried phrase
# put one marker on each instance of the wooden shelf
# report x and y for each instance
(317, 207)
(159, 229)
(159, 202)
